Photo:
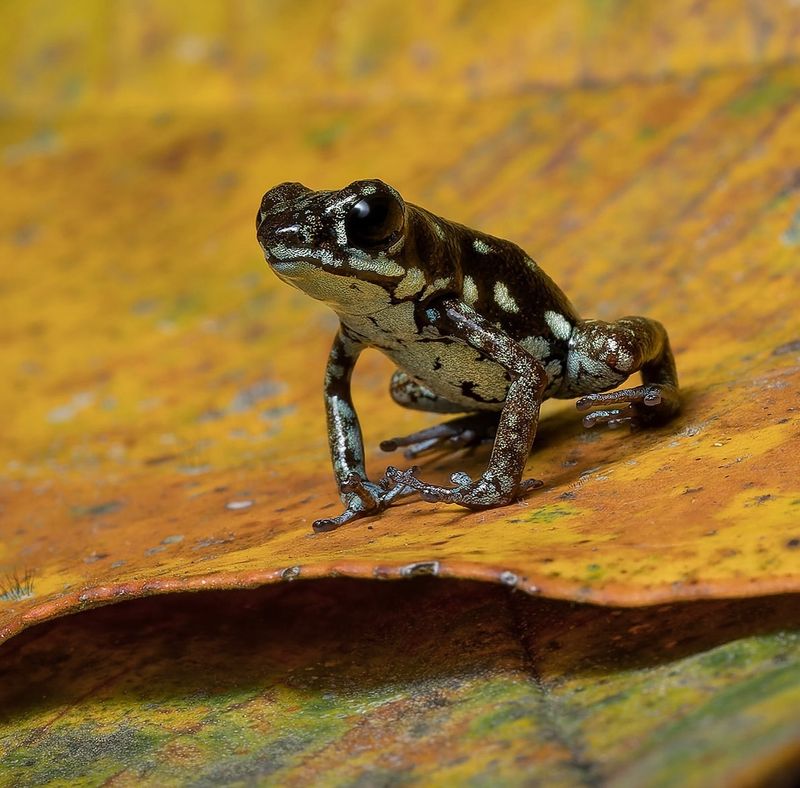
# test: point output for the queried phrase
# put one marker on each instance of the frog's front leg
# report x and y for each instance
(360, 496)
(502, 481)
(624, 347)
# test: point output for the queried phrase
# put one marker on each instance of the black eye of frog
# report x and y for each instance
(374, 221)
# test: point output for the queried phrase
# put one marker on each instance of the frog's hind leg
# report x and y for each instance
(602, 355)
(463, 432)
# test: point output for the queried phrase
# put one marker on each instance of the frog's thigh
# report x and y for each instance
(411, 393)
(602, 354)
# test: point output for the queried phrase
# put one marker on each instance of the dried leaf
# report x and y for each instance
(356, 683)
(165, 430)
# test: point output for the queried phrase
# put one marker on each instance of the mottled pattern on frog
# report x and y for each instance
(476, 267)
(473, 324)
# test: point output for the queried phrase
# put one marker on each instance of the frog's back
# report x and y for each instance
(504, 285)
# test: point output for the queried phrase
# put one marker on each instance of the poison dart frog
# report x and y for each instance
(473, 324)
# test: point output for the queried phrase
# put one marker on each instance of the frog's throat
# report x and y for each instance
(345, 294)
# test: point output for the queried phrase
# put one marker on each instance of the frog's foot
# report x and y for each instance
(363, 498)
(460, 433)
(642, 406)
(485, 493)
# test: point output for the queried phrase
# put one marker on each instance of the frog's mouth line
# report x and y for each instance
(302, 265)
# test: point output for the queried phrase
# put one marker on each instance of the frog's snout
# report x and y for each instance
(280, 199)
(276, 217)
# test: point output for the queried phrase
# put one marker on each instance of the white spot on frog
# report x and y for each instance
(587, 374)
(624, 360)
(538, 347)
(559, 325)
(470, 291)
(481, 247)
(554, 369)
(504, 299)
(437, 286)
(410, 284)
(380, 265)
(333, 372)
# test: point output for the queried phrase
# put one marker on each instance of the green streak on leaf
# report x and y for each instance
(765, 96)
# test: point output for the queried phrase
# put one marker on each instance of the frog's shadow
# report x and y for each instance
(569, 449)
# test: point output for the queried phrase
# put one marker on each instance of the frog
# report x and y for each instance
(473, 325)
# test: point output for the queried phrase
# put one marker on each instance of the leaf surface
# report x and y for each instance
(165, 427)
(344, 682)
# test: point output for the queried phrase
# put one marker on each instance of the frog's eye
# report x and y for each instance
(374, 221)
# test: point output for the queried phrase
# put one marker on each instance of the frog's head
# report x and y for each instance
(343, 247)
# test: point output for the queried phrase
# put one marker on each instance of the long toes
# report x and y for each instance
(460, 478)
(327, 524)
(416, 449)
(355, 484)
(393, 490)
(332, 523)
(436, 433)
(646, 394)
(460, 440)
(466, 438)
(437, 495)
(605, 399)
(400, 491)
(428, 492)
(614, 418)
(396, 477)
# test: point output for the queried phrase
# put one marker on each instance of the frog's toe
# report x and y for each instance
(527, 485)
(460, 433)
(395, 478)
(417, 440)
(325, 524)
(394, 484)
(363, 498)
(428, 492)
(478, 495)
(483, 493)
(463, 440)
(638, 407)
(612, 418)
(439, 438)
